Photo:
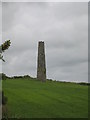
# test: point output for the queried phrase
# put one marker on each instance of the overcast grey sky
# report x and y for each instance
(45, 0)
(64, 29)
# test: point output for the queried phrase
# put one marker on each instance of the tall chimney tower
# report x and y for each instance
(41, 65)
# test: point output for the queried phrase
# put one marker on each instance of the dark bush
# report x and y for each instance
(25, 76)
(3, 76)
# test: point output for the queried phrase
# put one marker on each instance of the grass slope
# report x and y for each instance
(28, 98)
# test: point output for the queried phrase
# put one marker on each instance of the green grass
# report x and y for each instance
(29, 98)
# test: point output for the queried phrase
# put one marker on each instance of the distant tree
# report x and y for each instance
(4, 47)
(4, 76)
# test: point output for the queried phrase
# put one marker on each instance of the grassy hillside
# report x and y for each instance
(29, 98)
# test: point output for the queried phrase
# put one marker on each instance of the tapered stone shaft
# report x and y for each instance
(41, 65)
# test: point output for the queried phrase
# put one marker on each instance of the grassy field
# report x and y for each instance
(29, 98)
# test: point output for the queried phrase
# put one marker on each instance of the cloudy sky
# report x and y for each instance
(62, 26)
